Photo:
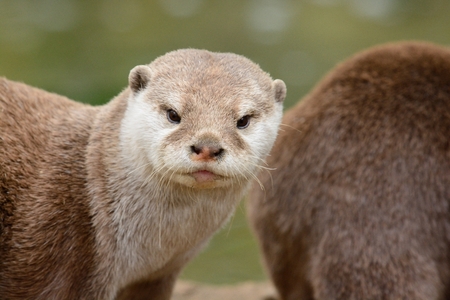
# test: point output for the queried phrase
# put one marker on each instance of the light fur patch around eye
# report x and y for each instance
(249, 108)
(165, 99)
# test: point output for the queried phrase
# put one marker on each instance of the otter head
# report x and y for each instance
(201, 119)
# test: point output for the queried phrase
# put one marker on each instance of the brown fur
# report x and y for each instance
(45, 221)
(358, 206)
(77, 221)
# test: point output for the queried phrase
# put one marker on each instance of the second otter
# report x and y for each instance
(358, 206)
(100, 202)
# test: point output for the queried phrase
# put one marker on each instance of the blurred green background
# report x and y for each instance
(84, 50)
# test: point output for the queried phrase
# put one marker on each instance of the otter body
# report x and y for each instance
(111, 202)
(358, 206)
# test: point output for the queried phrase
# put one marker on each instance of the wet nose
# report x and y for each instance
(206, 152)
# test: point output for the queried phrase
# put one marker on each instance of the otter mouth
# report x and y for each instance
(202, 176)
(201, 179)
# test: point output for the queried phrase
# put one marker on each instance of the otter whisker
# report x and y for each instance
(289, 126)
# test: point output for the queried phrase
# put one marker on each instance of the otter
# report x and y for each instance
(111, 201)
(358, 206)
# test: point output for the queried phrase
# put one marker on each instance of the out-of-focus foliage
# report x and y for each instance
(84, 49)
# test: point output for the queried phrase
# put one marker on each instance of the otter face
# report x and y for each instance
(201, 119)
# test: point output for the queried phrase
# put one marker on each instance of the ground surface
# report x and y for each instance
(186, 290)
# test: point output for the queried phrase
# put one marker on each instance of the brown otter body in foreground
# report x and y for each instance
(97, 202)
(358, 206)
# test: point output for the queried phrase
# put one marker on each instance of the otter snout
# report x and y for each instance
(205, 151)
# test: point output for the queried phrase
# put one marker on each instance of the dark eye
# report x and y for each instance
(173, 117)
(243, 122)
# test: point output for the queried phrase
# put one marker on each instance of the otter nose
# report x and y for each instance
(206, 152)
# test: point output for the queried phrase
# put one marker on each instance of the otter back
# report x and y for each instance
(44, 218)
(358, 206)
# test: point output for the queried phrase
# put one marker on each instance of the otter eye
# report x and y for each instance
(243, 122)
(173, 117)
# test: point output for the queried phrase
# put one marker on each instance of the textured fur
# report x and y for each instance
(112, 201)
(358, 207)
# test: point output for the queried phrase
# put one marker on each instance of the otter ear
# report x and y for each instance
(139, 78)
(280, 90)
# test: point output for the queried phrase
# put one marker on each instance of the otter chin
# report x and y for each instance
(110, 202)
